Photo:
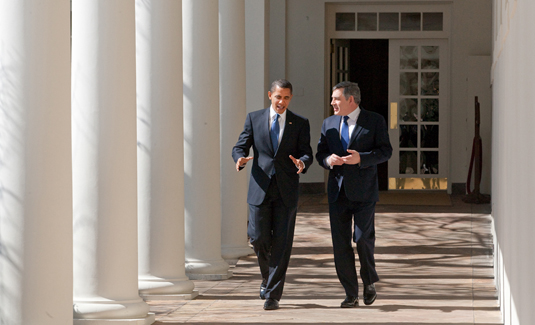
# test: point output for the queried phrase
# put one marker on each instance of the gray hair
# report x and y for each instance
(281, 83)
(350, 89)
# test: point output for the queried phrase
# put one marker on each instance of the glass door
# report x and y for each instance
(418, 96)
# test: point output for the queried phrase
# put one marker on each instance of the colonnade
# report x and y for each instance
(116, 182)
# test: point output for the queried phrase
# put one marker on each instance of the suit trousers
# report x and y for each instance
(341, 214)
(271, 231)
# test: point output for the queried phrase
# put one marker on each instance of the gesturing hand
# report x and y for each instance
(298, 163)
(353, 158)
(241, 162)
(335, 160)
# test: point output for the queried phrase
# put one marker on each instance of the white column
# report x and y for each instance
(35, 163)
(232, 110)
(160, 151)
(201, 141)
(104, 164)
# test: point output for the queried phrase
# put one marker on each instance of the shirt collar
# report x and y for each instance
(353, 116)
(272, 113)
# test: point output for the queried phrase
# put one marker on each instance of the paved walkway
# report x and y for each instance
(435, 265)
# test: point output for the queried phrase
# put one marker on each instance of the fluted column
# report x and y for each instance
(201, 141)
(232, 110)
(104, 164)
(160, 151)
(35, 163)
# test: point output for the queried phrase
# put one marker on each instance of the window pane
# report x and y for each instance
(410, 21)
(367, 21)
(430, 57)
(407, 162)
(408, 57)
(388, 21)
(408, 136)
(432, 20)
(430, 110)
(429, 162)
(429, 136)
(408, 110)
(430, 83)
(408, 83)
(345, 21)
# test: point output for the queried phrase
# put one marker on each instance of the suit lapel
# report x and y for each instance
(288, 124)
(363, 117)
(264, 128)
(336, 123)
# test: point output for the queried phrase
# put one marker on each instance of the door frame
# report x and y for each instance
(377, 7)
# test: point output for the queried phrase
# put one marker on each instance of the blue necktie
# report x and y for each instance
(345, 133)
(275, 129)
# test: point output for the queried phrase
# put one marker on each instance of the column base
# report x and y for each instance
(151, 318)
(207, 270)
(101, 309)
(232, 253)
(210, 277)
(170, 297)
(152, 285)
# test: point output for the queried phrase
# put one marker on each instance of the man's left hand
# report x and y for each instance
(353, 158)
(299, 164)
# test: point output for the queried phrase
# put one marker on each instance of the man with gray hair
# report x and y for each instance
(352, 143)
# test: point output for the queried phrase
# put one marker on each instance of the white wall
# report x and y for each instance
(305, 68)
(257, 54)
(513, 157)
(471, 46)
(277, 39)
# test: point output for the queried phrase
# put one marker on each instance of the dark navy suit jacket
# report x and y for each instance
(295, 141)
(370, 140)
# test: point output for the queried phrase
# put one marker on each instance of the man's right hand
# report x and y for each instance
(335, 160)
(241, 162)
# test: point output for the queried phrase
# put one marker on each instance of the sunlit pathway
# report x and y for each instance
(435, 265)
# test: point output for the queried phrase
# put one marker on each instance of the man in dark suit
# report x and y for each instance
(281, 146)
(352, 143)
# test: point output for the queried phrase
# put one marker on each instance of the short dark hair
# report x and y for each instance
(281, 83)
(350, 89)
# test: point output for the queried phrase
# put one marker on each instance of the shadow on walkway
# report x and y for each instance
(435, 265)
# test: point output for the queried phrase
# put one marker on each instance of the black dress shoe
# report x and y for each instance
(271, 304)
(263, 290)
(350, 302)
(369, 294)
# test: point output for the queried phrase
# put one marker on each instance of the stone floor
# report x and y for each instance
(435, 265)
